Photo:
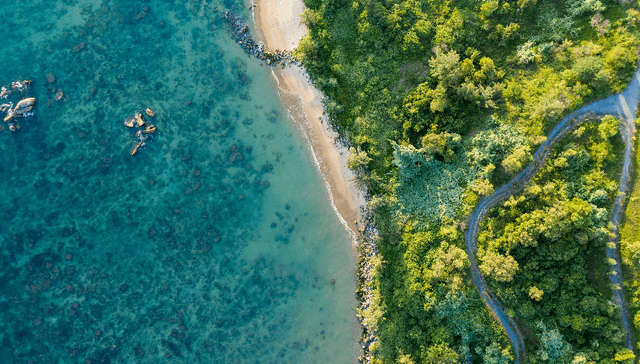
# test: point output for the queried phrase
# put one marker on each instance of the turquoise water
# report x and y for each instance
(217, 243)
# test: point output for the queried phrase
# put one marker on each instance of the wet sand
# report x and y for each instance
(279, 25)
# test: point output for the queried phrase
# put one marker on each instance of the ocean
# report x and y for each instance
(215, 243)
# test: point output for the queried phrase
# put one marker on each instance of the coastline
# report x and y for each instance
(278, 25)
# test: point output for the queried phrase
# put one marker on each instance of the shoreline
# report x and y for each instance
(279, 26)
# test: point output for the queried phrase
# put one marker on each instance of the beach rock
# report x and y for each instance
(51, 78)
(150, 129)
(25, 105)
(59, 94)
(137, 147)
(139, 120)
(150, 112)
(129, 122)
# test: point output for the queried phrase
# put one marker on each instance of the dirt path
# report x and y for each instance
(622, 105)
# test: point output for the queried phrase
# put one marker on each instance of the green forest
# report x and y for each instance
(542, 250)
(441, 103)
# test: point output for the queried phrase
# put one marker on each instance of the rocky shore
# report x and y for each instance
(367, 252)
(240, 32)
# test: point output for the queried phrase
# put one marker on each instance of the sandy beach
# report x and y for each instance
(279, 26)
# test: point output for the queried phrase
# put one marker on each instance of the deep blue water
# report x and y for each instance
(215, 244)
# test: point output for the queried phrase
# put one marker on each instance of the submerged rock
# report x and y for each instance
(59, 95)
(4, 92)
(140, 136)
(17, 86)
(51, 78)
(79, 47)
(8, 108)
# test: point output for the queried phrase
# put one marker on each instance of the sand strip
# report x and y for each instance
(279, 26)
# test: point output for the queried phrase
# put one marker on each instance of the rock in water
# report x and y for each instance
(150, 112)
(24, 106)
(59, 94)
(9, 116)
(139, 119)
(129, 122)
(136, 147)
(150, 129)
(16, 86)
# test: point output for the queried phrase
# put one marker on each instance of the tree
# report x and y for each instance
(516, 160)
(482, 187)
(535, 293)
(586, 68)
(608, 127)
(625, 356)
(357, 158)
(554, 348)
(445, 68)
(443, 144)
(404, 359)
(494, 354)
(500, 267)
(440, 353)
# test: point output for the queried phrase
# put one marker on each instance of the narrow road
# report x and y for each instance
(622, 105)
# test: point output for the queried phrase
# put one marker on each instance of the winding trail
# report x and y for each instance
(622, 105)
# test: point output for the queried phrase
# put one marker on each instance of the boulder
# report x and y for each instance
(139, 120)
(9, 116)
(24, 106)
(150, 129)
(137, 147)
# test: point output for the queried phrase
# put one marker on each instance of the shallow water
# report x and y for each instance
(215, 244)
